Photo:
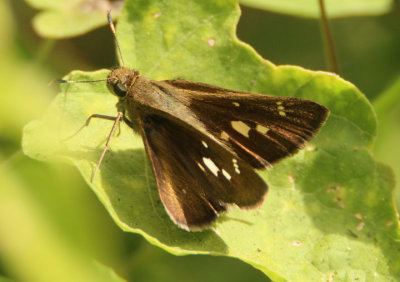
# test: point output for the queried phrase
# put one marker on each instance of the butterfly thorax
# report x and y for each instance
(139, 96)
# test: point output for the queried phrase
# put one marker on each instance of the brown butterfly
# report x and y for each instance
(205, 142)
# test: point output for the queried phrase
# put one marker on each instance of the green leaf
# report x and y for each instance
(19, 102)
(334, 8)
(31, 247)
(387, 108)
(329, 212)
(5, 279)
(61, 19)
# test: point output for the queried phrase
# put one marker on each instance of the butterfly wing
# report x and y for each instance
(260, 129)
(197, 178)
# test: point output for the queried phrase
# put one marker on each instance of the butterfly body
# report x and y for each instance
(205, 142)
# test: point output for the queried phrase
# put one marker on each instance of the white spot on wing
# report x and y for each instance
(262, 129)
(236, 104)
(236, 166)
(241, 127)
(282, 113)
(224, 136)
(226, 174)
(204, 144)
(211, 166)
(201, 167)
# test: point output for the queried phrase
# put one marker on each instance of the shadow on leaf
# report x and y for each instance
(125, 185)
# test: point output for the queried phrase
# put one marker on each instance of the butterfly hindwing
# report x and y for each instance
(260, 129)
(197, 178)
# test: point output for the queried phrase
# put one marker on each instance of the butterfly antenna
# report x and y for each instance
(73, 81)
(112, 27)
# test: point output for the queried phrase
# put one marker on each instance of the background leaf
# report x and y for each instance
(329, 211)
(387, 107)
(29, 244)
(61, 19)
(334, 8)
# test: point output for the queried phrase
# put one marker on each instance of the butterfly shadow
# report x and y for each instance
(126, 186)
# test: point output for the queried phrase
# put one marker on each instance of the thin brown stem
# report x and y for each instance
(328, 40)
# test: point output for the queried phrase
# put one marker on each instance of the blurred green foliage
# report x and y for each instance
(334, 8)
(51, 221)
(62, 19)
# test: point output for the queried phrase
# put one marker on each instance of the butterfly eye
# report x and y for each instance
(118, 89)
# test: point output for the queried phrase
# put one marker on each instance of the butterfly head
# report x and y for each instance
(120, 80)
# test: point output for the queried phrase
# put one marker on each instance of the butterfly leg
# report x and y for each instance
(116, 122)
(87, 123)
(128, 122)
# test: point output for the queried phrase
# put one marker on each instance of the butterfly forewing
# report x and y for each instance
(197, 177)
(260, 129)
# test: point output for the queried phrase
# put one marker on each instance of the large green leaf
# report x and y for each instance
(329, 212)
(60, 18)
(334, 8)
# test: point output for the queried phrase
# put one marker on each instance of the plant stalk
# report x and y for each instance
(328, 40)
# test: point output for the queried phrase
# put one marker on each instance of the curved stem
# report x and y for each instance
(328, 40)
